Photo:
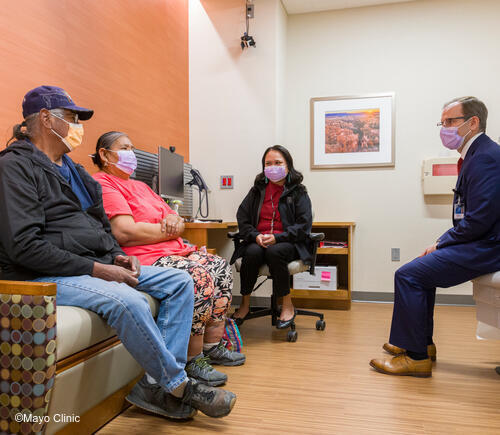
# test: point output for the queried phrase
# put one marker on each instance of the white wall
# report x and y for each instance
(236, 97)
(233, 93)
(427, 52)
(281, 65)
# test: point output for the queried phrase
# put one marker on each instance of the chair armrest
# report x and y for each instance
(28, 288)
(316, 237)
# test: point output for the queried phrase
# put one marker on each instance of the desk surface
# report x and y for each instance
(333, 224)
(224, 225)
(210, 225)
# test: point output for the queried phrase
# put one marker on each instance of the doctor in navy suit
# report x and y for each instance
(470, 249)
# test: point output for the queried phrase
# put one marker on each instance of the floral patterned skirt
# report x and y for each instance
(213, 283)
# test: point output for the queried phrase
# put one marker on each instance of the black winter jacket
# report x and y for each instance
(43, 229)
(296, 216)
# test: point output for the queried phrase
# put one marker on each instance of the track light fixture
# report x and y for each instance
(246, 39)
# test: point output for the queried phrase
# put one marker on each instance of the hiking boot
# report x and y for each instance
(214, 402)
(200, 369)
(221, 355)
(153, 398)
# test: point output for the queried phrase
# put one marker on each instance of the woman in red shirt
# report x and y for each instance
(146, 227)
(274, 221)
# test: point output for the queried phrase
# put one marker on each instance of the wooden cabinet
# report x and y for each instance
(339, 257)
(199, 233)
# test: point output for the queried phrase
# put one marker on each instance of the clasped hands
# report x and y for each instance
(265, 240)
(171, 225)
(125, 269)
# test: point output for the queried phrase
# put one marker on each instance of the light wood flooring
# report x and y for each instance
(322, 384)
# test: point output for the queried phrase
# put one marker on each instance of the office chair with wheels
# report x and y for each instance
(294, 267)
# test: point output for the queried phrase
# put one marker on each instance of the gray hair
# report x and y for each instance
(26, 130)
(105, 141)
(29, 127)
(472, 106)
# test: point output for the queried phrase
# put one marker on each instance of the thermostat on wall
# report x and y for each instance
(439, 175)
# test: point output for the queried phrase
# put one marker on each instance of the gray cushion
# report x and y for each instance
(490, 280)
(78, 329)
(487, 296)
(294, 267)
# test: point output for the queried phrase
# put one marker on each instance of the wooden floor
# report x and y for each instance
(322, 384)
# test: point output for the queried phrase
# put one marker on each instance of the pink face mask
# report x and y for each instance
(450, 137)
(275, 173)
(127, 162)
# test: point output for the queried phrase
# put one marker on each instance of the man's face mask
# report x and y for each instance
(450, 137)
(75, 134)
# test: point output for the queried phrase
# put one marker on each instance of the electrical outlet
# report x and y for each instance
(395, 254)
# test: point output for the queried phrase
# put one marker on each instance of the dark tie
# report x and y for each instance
(459, 164)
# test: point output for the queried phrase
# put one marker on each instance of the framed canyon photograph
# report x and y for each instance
(352, 131)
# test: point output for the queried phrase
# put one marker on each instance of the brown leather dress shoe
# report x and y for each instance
(394, 350)
(403, 365)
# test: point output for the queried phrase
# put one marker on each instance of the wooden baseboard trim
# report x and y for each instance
(77, 358)
(441, 299)
(101, 414)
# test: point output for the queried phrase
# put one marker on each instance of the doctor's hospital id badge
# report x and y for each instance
(458, 211)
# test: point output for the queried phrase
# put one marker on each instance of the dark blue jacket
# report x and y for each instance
(474, 241)
(44, 230)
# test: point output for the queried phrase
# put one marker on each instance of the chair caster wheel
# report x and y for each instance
(320, 325)
(292, 336)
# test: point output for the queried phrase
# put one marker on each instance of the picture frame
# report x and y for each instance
(352, 131)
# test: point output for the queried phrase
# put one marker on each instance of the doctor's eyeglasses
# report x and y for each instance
(448, 121)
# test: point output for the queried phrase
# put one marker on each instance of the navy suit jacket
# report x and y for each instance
(474, 241)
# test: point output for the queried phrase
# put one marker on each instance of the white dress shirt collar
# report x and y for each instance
(467, 145)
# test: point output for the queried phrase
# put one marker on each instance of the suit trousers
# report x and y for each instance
(414, 296)
(276, 257)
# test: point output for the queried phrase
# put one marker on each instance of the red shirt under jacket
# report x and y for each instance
(270, 219)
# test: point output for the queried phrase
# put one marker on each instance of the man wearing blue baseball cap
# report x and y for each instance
(54, 229)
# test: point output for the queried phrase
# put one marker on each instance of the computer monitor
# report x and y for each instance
(170, 174)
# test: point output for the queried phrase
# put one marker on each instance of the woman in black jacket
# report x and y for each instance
(274, 221)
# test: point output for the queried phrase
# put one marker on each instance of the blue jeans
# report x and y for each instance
(161, 347)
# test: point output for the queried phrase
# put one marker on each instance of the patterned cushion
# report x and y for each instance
(27, 359)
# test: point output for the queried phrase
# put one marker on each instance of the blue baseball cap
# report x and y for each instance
(52, 97)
